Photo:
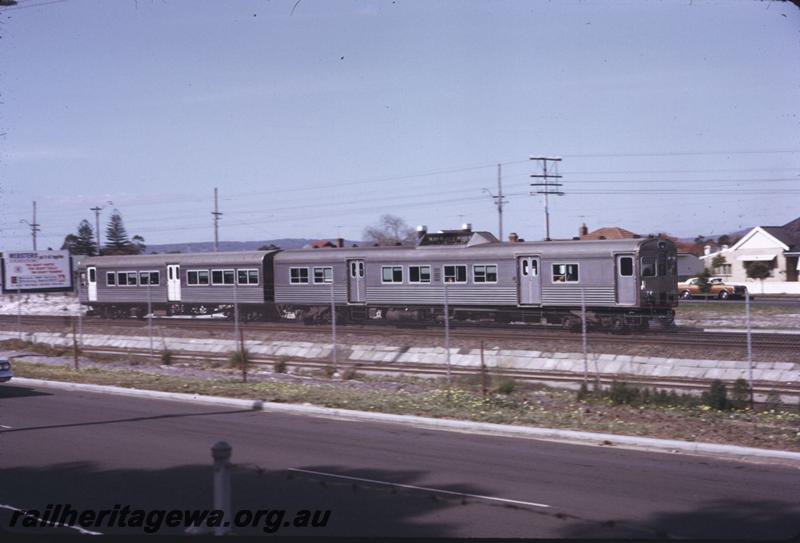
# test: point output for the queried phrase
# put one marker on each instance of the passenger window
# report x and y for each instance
(455, 274)
(565, 273)
(111, 279)
(648, 266)
(92, 276)
(626, 266)
(534, 267)
(361, 269)
(525, 266)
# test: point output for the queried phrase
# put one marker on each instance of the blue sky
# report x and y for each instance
(315, 119)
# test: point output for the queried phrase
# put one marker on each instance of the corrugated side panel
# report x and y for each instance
(222, 295)
(310, 294)
(571, 295)
(434, 295)
(110, 295)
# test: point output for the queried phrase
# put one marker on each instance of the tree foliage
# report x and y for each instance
(390, 230)
(703, 283)
(117, 241)
(758, 270)
(718, 261)
(83, 243)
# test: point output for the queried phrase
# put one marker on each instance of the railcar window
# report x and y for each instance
(197, 277)
(323, 275)
(626, 266)
(392, 274)
(361, 269)
(525, 268)
(149, 278)
(484, 273)
(144, 278)
(122, 279)
(648, 266)
(662, 265)
(565, 273)
(228, 277)
(419, 274)
(298, 275)
(111, 279)
(247, 277)
(455, 274)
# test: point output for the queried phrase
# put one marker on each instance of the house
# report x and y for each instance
(325, 244)
(688, 263)
(777, 246)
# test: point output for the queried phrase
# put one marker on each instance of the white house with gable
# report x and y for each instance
(777, 246)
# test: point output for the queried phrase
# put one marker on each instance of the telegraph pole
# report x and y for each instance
(97, 210)
(34, 226)
(499, 200)
(216, 215)
(548, 188)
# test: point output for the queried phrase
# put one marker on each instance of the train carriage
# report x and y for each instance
(189, 284)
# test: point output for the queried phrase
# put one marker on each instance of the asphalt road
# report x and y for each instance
(96, 451)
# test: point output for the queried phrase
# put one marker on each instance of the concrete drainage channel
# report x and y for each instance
(560, 369)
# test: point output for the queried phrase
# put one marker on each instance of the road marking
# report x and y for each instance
(6, 427)
(46, 524)
(426, 489)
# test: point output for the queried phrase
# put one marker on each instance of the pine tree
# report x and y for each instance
(117, 241)
(83, 243)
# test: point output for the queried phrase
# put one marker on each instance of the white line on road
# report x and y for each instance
(413, 487)
(48, 523)
(4, 427)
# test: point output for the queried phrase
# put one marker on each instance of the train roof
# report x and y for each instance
(232, 258)
(496, 249)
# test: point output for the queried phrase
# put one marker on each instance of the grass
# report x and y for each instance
(524, 405)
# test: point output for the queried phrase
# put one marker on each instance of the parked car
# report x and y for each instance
(5, 370)
(717, 289)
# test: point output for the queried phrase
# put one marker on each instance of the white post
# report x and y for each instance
(447, 334)
(221, 453)
(749, 345)
(19, 313)
(149, 315)
(235, 309)
(583, 338)
(333, 324)
(80, 313)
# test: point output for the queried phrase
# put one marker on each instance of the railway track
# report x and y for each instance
(266, 364)
(458, 330)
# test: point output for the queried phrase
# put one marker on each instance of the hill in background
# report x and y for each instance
(208, 246)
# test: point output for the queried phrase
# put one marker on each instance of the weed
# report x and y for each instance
(166, 357)
(279, 366)
(716, 397)
(239, 358)
(349, 373)
(740, 396)
(506, 385)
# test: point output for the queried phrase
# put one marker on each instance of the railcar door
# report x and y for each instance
(626, 280)
(530, 287)
(173, 282)
(357, 289)
(91, 284)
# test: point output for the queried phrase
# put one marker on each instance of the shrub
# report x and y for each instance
(506, 385)
(773, 400)
(349, 373)
(166, 357)
(716, 396)
(740, 396)
(621, 393)
(279, 366)
(239, 358)
(328, 371)
(583, 392)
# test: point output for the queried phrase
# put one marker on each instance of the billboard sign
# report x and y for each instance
(36, 271)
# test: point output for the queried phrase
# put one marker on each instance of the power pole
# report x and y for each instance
(97, 210)
(34, 225)
(548, 188)
(499, 200)
(216, 215)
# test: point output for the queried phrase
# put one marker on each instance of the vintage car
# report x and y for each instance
(5, 370)
(717, 289)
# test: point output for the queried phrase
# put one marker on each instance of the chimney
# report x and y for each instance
(513, 237)
(421, 230)
(339, 243)
(583, 230)
(707, 249)
(466, 227)
(725, 247)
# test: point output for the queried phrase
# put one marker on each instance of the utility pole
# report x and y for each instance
(499, 200)
(97, 210)
(548, 188)
(216, 215)
(34, 225)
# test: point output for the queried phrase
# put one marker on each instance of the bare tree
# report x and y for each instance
(390, 230)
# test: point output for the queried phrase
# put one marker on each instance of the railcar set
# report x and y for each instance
(621, 283)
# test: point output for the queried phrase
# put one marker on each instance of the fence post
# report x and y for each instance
(75, 345)
(149, 316)
(447, 334)
(583, 339)
(483, 373)
(243, 355)
(333, 325)
(221, 453)
(19, 313)
(749, 346)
